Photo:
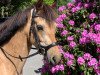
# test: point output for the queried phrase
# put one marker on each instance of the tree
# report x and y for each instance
(10, 7)
(4, 2)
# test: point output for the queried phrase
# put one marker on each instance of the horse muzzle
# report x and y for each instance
(51, 51)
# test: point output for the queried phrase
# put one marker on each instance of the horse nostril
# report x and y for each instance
(53, 61)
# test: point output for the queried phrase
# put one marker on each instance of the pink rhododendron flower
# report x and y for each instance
(84, 33)
(79, 4)
(71, 22)
(92, 36)
(62, 8)
(73, 10)
(86, 5)
(57, 68)
(92, 62)
(83, 40)
(69, 63)
(62, 16)
(71, 57)
(87, 56)
(92, 16)
(61, 67)
(98, 50)
(95, 66)
(70, 38)
(59, 20)
(70, 5)
(64, 33)
(53, 70)
(78, 8)
(68, 56)
(72, 44)
(60, 25)
(97, 40)
(80, 61)
(97, 27)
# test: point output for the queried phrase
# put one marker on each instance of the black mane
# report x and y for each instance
(2, 20)
(11, 25)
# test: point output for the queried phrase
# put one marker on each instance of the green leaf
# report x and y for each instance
(49, 2)
(82, 68)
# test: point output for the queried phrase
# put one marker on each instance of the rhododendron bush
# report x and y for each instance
(78, 27)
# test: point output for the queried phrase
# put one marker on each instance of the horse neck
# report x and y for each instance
(19, 43)
(17, 46)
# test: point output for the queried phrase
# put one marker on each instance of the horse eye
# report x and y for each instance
(39, 27)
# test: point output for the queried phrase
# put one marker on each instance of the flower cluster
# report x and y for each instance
(57, 68)
(80, 61)
(88, 60)
(78, 26)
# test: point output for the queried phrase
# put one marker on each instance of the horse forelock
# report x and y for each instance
(47, 12)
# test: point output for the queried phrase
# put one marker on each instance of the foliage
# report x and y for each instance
(49, 2)
(79, 30)
(17, 5)
(62, 2)
(23, 4)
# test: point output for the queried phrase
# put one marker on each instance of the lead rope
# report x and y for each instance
(21, 58)
(9, 59)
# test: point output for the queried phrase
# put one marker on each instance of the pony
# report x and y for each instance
(33, 26)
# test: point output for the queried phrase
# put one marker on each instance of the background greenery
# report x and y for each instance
(10, 7)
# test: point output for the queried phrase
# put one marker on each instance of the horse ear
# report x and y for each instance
(34, 12)
(54, 5)
(39, 4)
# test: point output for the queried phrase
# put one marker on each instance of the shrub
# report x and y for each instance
(78, 26)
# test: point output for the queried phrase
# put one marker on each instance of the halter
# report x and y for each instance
(41, 49)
